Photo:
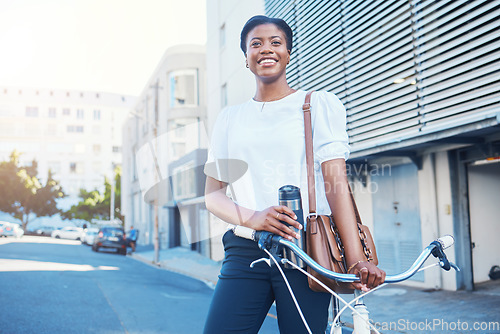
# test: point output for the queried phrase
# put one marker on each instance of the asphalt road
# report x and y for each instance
(61, 286)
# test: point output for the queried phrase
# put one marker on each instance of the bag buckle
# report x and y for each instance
(314, 214)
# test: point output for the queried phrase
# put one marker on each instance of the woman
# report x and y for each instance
(267, 133)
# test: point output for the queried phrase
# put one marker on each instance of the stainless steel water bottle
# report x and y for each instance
(290, 196)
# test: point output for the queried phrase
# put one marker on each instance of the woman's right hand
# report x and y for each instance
(272, 219)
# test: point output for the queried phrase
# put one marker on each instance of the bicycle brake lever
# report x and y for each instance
(454, 266)
(263, 259)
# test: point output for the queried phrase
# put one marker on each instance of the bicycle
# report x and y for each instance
(273, 245)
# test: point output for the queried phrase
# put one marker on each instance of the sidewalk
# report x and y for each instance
(183, 261)
(394, 309)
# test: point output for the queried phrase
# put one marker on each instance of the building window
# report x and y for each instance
(222, 35)
(52, 113)
(75, 128)
(117, 149)
(184, 179)
(97, 114)
(96, 148)
(183, 88)
(76, 168)
(79, 113)
(31, 111)
(66, 112)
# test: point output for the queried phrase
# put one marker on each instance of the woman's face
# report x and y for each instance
(267, 54)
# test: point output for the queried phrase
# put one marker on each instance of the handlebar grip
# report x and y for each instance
(244, 232)
(446, 241)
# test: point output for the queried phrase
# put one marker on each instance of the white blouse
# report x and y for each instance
(259, 147)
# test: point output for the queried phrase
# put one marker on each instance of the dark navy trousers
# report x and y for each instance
(243, 295)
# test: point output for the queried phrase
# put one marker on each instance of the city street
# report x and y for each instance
(60, 286)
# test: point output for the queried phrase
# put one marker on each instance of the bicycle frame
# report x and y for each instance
(272, 245)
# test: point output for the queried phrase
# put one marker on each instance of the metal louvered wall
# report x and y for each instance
(404, 69)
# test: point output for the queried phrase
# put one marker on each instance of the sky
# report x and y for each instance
(93, 45)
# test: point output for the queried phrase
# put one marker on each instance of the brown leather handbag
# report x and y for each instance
(323, 241)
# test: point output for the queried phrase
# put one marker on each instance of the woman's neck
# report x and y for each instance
(272, 91)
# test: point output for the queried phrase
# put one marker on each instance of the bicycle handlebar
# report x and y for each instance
(269, 240)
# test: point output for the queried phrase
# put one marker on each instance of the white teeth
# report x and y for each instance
(268, 61)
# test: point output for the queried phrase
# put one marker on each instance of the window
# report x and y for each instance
(117, 149)
(183, 88)
(184, 179)
(66, 112)
(97, 114)
(52, 113)
(79, 113)
(96, 148)
(76, 167)
(75, 128)
(31, 111)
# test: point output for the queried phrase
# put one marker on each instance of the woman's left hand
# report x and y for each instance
(369, 274)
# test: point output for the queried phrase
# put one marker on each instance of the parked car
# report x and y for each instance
(111, 237)
(68, 232)
(45, 230)
(89, 235)
(10, 230)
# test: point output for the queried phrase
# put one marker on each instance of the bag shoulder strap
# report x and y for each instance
(306, 108)
(311, 183)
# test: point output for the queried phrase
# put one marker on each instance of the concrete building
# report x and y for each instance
(418, 80)
(75, 134)
(164, 149)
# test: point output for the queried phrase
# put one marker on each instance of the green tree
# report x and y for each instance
(94, 205)
(23, 194)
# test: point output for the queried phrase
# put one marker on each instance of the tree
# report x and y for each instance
(23, 194)
(94, 205)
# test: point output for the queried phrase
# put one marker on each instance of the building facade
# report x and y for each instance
(419, 82)
(75, 134)
(164, 149)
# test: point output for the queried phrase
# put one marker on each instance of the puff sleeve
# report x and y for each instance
(330, 137)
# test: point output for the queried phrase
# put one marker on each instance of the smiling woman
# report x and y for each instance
(267, 133)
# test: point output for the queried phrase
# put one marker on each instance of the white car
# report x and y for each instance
(68, 232)
(10, 230)
(89, 235)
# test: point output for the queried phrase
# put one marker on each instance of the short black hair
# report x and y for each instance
(261, 19)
